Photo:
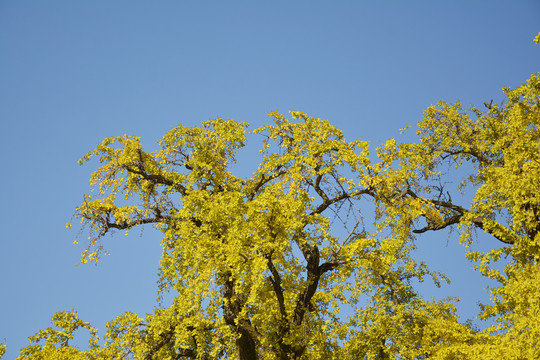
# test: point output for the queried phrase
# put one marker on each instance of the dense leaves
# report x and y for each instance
(285, 265)
(499, 151)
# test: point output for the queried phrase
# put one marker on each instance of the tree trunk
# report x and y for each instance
(247, 350)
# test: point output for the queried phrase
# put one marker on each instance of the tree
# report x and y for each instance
(260, 268)
(499, 151)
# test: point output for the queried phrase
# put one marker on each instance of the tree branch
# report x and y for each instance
(264, 180)
(325, 204)
(155, 179)
(232, 305)
(477, 155)
(455, 219)
(275, 279)
(130, 224)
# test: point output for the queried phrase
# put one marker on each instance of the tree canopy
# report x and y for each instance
(311, 256)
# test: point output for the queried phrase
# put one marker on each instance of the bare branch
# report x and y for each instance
(325, 204)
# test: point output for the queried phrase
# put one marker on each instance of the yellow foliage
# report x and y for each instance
(261, 271)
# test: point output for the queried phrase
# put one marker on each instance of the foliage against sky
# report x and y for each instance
(256, 270)
(76, 72)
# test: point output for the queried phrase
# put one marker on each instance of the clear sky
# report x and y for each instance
(74, 72)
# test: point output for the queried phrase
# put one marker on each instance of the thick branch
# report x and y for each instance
(156, 179)
(312, 256)
(477, 155)
(329, 266)
(432, 226)
(232, 304)
(455, 219)
(317, 187)
(311, 253)
(275, 279)
(479, 222)
(264, 180)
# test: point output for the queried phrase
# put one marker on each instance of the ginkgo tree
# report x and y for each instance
(499, 151)
(284, 264)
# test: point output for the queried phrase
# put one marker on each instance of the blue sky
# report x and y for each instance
(74, 72)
